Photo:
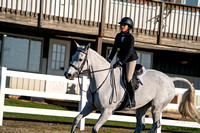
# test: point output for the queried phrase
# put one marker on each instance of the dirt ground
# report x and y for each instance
(11, 125)
(21, 126)
(27, 126)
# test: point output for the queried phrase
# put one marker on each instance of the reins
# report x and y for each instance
(84, 72)
(113, 84)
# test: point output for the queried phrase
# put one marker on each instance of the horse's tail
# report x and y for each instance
(186, 107)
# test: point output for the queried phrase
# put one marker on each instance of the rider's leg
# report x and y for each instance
(131, 86)
(130, 70)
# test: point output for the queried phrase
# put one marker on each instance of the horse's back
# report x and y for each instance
(157, 80)
(155, 86)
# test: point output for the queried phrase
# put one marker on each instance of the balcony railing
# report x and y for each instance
(150, 18)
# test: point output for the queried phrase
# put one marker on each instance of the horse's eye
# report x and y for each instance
(80, 59)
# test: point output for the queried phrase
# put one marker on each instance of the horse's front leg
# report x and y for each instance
(86, 110)
(102, 119)
(140, 116)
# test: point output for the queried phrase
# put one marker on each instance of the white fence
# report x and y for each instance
(81, 98)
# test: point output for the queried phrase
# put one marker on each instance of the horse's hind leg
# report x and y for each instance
(102, 119)
(86, 110)
(140, 115)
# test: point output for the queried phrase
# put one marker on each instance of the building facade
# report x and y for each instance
(37, 42)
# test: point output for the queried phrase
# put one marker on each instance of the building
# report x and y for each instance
(43, 43)
(193, 2)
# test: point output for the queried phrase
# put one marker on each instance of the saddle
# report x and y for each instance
(138, 71)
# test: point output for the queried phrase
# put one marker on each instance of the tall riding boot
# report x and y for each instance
(131, 90)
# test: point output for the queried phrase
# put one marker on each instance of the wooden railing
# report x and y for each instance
(177, 21)
(153, 18)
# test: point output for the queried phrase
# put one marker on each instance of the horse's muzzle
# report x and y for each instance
(69, 76)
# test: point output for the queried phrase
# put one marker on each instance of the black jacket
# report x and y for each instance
(126, 52)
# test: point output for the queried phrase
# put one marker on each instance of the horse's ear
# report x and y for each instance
(77, 45)
(88, 46)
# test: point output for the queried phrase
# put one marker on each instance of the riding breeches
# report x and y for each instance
(130, 69)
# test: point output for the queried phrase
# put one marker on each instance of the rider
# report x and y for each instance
(126, 54)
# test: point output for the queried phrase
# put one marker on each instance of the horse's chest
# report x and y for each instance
(101, 99)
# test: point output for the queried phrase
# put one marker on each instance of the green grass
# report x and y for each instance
(10, 102)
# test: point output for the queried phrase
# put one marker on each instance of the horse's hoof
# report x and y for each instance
(143, 127)
(94, 131)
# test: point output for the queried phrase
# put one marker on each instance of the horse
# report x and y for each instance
(157, 90)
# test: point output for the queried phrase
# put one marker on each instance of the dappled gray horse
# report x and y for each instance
(156, 92)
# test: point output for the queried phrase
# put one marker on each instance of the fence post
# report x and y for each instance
(2, 93)
(84, 85)
(160, 22)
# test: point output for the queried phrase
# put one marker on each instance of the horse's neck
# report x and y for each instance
(97, 62)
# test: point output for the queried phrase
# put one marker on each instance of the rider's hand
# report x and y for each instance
(117, 64)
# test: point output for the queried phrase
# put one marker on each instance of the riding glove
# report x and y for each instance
(117, 64)
(109, 60)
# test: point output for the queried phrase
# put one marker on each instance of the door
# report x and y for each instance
(58, 59)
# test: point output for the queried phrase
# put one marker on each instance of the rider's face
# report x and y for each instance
(124, 28)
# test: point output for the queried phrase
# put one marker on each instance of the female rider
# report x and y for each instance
(126, 54)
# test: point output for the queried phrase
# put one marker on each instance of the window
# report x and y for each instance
(183, 2)
(145, 59)
(34, 58)
(58, 56)
(21, 53)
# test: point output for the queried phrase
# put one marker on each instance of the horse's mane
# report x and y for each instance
(98, 55)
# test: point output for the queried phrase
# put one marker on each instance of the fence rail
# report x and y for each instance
(176, 21)
(81, 98)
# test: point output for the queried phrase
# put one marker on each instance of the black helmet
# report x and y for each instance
(127, 21)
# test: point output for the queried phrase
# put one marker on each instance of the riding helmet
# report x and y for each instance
(128, 21)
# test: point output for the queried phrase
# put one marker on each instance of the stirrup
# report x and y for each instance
(132, 104)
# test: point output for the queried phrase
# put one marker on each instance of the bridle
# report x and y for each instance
(82, 65)
(80, 71)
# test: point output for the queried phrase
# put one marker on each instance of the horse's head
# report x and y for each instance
(79, 61)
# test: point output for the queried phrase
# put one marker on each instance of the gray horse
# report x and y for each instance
(156, 92)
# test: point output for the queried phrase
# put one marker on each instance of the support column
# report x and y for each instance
(41, 13)
(99, 44)
(160, 23)
(101, 26)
